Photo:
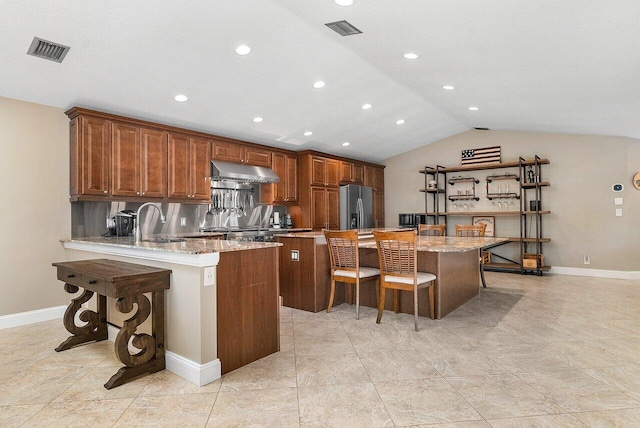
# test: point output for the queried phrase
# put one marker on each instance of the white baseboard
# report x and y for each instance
(199, 374)
(30, 317)
(597, 273)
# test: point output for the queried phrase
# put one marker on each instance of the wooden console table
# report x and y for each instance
(126, 282)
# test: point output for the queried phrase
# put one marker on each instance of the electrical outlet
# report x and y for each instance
(618, 212)
(209, 276)
(295, 255)
(183, 221)
(587, 259)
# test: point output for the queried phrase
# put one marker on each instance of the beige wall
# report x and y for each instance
(583, 168)
(34, 177)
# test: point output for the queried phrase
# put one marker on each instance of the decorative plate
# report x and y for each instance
(636, 181)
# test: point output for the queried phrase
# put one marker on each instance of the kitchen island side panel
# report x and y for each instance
(247, 307)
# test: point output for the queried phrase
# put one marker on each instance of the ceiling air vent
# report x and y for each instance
(343, 28)
(47, 50)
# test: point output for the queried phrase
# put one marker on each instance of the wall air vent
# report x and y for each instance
(343, 28)
(48, 50)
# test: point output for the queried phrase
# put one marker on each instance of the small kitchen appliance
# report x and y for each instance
(124, 222)
(276, 220)
(411, 220)
(288, 221)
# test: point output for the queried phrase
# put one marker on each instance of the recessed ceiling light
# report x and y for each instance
(344, 2)
(366, 106)
(345, 144)
(306, 134)
(180, 98)
(258, 119)
(411, 55)
(399, 121)
(474, 108)
(319, 84)
(243, 50)
(448, 87)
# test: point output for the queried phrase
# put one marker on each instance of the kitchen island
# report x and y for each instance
(454, 261)
(222, 309)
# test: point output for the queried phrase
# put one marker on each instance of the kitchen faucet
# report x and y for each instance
(138, 232)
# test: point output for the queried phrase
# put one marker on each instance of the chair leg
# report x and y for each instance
(357, 299)
(380, 304)
(331, 295)
(432, 304)
(396, 301)
(415, 306)
(484, 284)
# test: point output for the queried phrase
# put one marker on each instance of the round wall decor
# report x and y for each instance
(636, 180)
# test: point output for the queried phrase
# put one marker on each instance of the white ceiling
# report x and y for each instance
(570, 66)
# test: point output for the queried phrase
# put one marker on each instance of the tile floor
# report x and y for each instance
(553, 351)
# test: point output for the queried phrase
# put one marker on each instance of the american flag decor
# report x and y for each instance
(485, 155)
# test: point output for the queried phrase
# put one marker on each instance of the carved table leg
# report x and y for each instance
(148, 360)
(95, 328)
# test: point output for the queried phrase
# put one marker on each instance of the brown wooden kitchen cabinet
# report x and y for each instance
(351, 173)
(138, 161)
(374, 177)
(325, 172)
(378, 208)
(325, 208)
(240, 153)
(286, 191)
(90, 139)
(189, 167)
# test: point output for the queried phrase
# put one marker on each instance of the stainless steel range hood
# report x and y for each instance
(223, 171)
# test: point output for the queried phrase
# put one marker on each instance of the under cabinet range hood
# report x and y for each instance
(223, 171)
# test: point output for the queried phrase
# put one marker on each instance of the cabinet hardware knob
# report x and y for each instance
(105, 192)
(137, 193)
(93, 281)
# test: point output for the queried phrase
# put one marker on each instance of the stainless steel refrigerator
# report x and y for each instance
(356, 207)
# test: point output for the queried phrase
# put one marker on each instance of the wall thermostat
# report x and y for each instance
(618, 187)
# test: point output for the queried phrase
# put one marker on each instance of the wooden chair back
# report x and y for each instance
(397, 252)
(432, 229)
(470, 230)
(343, 249)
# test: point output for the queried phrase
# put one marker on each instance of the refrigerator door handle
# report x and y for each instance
(360, 208)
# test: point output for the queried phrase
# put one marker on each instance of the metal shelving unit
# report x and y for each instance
(529, 188)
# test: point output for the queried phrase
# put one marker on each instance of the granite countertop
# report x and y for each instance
(362, 233)
(445, 244)
(185, 246)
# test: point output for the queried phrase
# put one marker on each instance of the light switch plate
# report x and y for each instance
(618, 201)
(618, 212)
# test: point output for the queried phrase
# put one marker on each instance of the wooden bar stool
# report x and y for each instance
(432, 229)
(345, 264)
(398, 254)
(475, 231)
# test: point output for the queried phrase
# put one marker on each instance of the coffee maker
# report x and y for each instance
(276, 220)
